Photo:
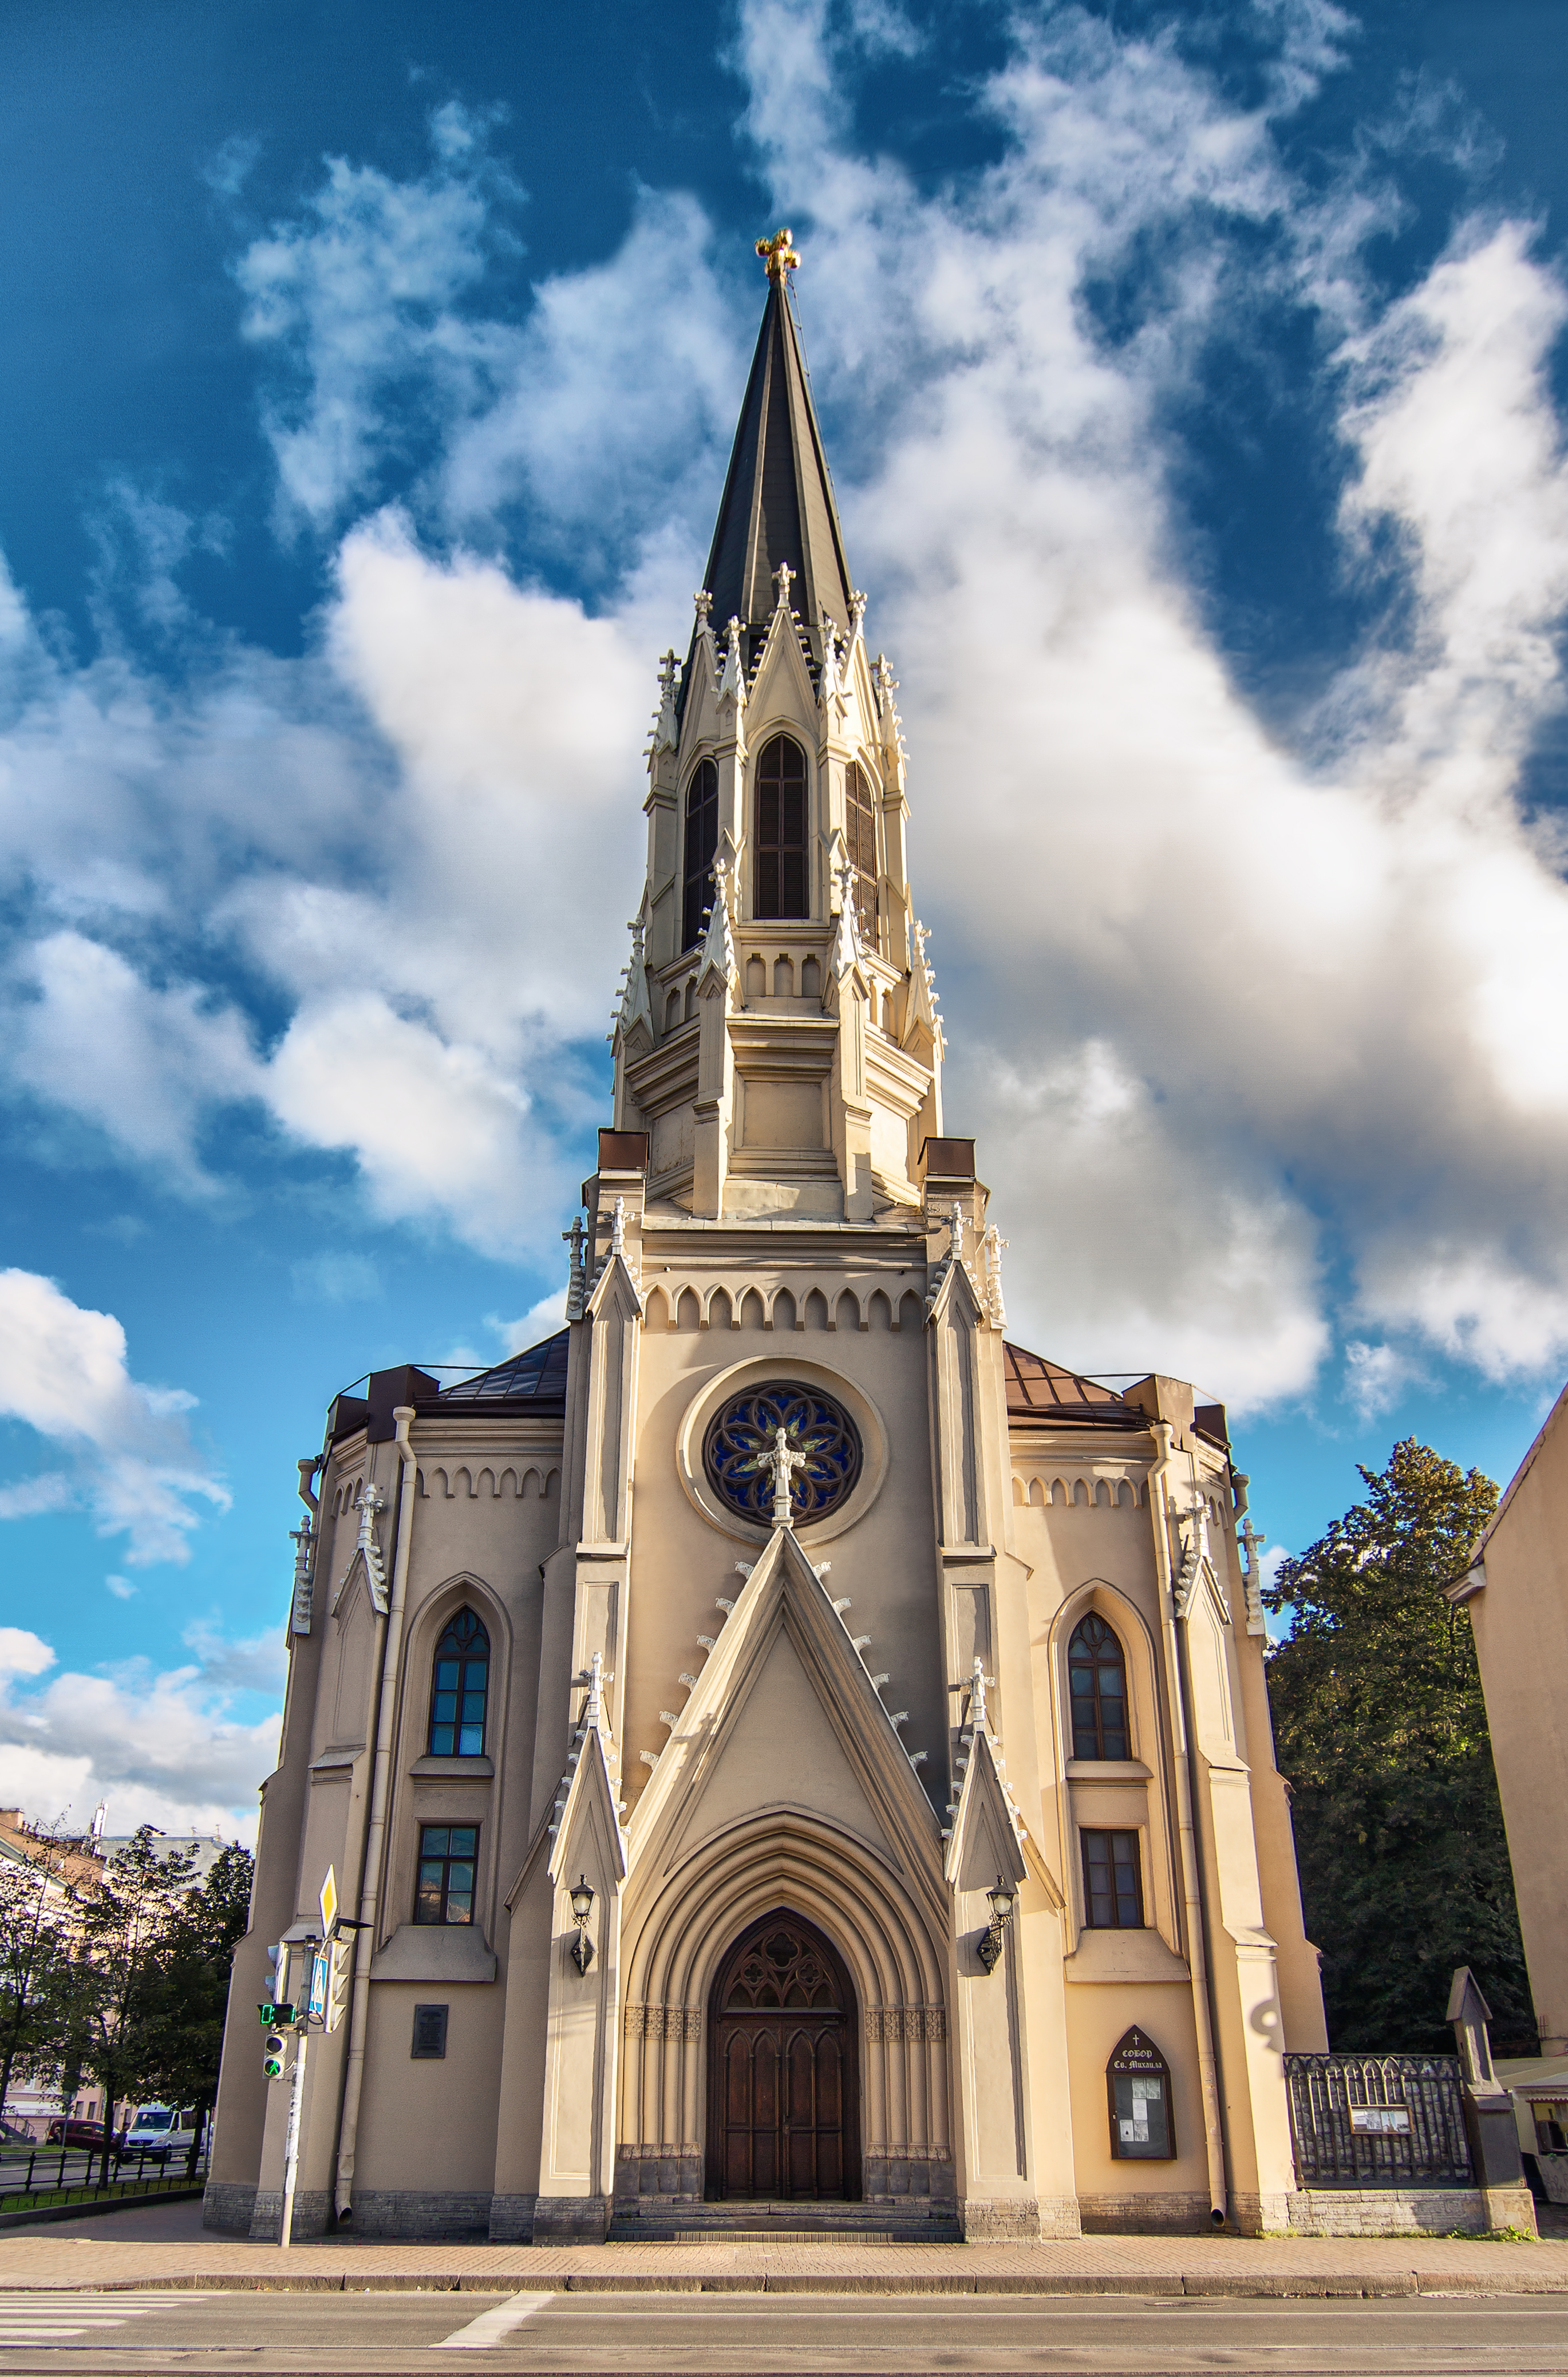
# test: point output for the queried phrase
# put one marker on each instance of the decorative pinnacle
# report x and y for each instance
(783, 577)
(778, 255)
(704, 602)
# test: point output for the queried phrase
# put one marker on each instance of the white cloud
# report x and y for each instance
(1234, 1019)
(22, 1654)
(364, 290)
(63, 1373)
(1375, 1378)
(160, 1748)
(1322, 984)
(338, 1276)
(120, 1587)
(141, 1063)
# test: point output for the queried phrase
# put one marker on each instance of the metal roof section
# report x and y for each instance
(1044, 1392)
(536, 1376)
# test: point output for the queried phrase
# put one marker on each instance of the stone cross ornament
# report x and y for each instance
(781, 1463)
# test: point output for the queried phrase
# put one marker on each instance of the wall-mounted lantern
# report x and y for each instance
(1001, 1901)
(581, 1908)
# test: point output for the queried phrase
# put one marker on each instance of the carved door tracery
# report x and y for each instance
(783, 2099)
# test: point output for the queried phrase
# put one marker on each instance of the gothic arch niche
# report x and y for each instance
(679, 1929)
(784, 2082)
(1130, 1794)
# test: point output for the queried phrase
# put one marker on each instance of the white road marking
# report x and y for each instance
(483, 2333)
(38, 2318)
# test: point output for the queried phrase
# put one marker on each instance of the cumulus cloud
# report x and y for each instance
(1255, 1021)
(1221, 1009)
(158, 1747)
(364, 287)
(63, 1373)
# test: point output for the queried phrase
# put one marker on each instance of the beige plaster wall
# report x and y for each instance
(1521, 1627)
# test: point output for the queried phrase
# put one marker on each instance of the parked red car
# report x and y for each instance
(74, 2134)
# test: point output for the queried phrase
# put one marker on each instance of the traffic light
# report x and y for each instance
(274, 2008)
(273, 2063)
(340, 1969)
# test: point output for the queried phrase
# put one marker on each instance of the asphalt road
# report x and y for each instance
(1102, 2337)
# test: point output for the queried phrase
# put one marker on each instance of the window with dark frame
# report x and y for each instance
(781, 831)
(701, 842)
(1113, 1888)
(429, 2033)
(447, 1861)
(459, 1688)
(1096, 1683)
(860, 834)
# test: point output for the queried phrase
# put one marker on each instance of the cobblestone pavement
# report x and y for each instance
(93, 2254)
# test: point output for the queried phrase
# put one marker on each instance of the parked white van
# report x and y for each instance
(159, 2131)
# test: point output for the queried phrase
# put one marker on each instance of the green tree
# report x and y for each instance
(34, 1942)
(1381, 1729)
(189, 1996)
(107, 1999)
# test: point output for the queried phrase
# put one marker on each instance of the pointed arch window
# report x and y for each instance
(459, 1690)
(1096, 1679)
(781, 831)
(701, 842)
(860, 836)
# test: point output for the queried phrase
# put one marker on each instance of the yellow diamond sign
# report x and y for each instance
(328, 1903)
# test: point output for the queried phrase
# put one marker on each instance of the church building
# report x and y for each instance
(782, 1743)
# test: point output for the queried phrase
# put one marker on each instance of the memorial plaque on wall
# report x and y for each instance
(1138, 2085)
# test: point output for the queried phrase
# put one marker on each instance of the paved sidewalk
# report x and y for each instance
(93, 2257)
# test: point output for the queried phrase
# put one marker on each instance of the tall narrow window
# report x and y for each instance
(701, 841)
(860, 833)
(1113, 1892)
(460, 1688)
(1097, 1677)
(446, 1858)
(781, 830)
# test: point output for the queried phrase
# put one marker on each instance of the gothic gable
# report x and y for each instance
(785, 1715)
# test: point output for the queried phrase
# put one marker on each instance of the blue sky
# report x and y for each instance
(1193, 383)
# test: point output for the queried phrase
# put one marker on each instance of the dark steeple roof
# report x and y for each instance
(778, 501)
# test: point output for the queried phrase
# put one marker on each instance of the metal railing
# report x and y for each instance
(1378, 2121)
(62, 2172)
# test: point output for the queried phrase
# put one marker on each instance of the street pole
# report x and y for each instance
(290, 2149)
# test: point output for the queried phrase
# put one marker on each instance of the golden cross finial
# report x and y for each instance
(778, 255)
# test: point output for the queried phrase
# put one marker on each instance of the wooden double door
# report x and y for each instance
(784, 2096)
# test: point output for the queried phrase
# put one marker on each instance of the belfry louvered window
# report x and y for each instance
(1097, 1677)
(781, 831)
(460, 1689)
(860, 835)
(701, 841)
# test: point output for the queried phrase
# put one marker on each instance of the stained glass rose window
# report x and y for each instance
(814, 1426)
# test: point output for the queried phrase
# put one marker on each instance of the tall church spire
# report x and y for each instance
(778, 503)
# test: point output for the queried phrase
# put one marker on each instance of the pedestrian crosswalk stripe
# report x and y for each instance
(482, 2335)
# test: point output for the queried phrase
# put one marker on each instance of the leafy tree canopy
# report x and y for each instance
(1380, 1728)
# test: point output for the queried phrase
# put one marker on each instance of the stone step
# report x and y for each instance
(653, 2222)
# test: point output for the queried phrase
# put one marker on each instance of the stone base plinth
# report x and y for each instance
(571, 2219)
(227, 2205)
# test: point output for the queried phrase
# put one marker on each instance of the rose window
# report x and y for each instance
(816, 1426)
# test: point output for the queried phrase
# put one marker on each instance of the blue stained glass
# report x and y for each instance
(814, 1425)
(459, 1684)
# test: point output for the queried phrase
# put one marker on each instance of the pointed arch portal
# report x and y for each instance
(784, 2099)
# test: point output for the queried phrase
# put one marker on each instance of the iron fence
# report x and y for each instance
(30, 2176)
(1378, 2121)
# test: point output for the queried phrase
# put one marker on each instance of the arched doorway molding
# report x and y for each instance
(678, 1928)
